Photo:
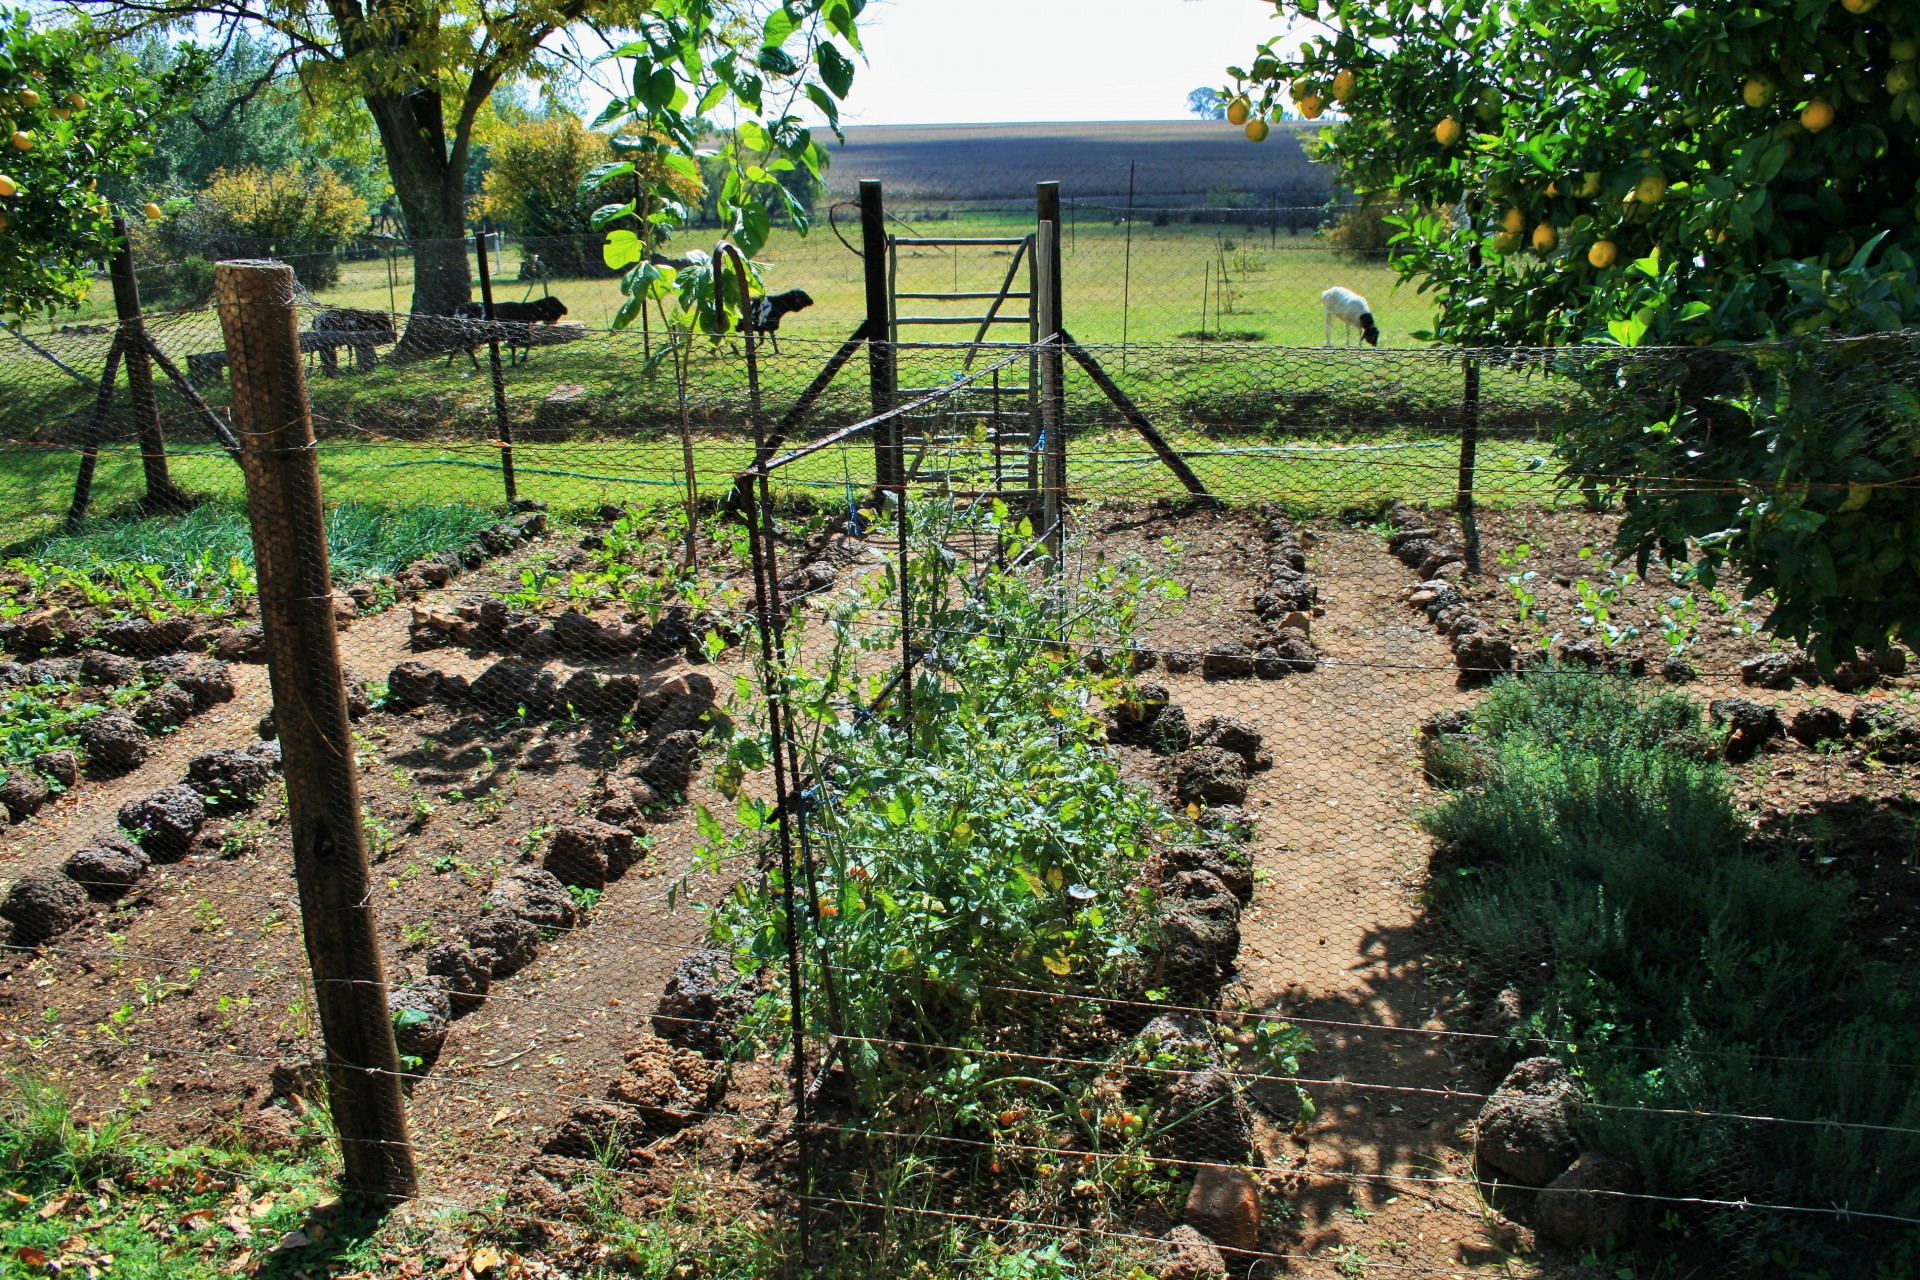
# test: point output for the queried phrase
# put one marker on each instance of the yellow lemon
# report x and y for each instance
(7, 185)
(1651, 189)
(1506, 242)
(28, 98)
(1902, 78)
(1238, 110)
(1545, 238)
(1589, 185)
(1447, 132)
(1513, 222)
(62, 113)
(1343, 85)
(1757, 92)
(1858, 6)
(4, 224)
(1817, 115)
(1603, 254)
(22, 140)
(77, 102)
(153, 210)
(1257, 130)
(1313, 106)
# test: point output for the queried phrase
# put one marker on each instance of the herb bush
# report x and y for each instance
(1596, 858)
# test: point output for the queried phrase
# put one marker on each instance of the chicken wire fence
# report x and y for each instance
(1125, 802)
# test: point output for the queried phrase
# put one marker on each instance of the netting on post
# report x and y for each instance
(1334, 856)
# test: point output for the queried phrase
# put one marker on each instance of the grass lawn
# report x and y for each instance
(1311, 476)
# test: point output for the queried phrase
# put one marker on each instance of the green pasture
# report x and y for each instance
(1152, 294)
(35, 485)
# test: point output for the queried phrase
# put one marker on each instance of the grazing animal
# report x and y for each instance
(516, 319)
(763, 314)
(351, 320)
(1350, 309)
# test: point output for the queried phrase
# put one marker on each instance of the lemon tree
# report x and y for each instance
(71, 116)
(1649, 175)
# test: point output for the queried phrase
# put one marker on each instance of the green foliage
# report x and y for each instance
(687, 57)
(989, 845)
(299, 214)
(83, 112)
(537, 185)
(1596, 856)
(200, 546)
(33, 720)
(1694, 146)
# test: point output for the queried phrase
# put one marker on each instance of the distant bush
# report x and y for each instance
(1361, 230)
(534, 189)
(299, 215)
(1595, 858)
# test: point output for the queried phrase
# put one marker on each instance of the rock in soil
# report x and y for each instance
(535, 896)
(23, 793)
(462, 971)
(1751, 725)
(230, 777)
(412, 684)
(421, 1015)
(43, 904)
(1191, 1256)
(108, 867)
(102, 669)
(1208, 775)
(1676, 669)
(1892, 735)
(1814, 725)
(704, 1003)
(668, 1086)
(1229, 733)
(113, 741)
(510, 941)
(142, 637)
(1202, 1117)
(1229, 661)
(1231, 867)
(589, 853)
(1177, 661)
(167, 707)
(1201, 920)
(62, 766)
(165, 821)
(1482, 653)
(1287, 650)
(1769, 671)
(670, 768)
(1525, 1130)
(1170, 733)
(1224, 1206)
(1590, 1206)
(208, 680)
(241, 644)
(593, 1131)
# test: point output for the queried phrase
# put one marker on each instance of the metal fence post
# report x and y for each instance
(1053, 453)
(882, 362)
(1469, 446)
(500, 418)
(162, 494)
(275, 424)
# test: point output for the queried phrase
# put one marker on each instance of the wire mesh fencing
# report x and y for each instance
(944, 829)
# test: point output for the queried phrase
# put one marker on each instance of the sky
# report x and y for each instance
(992, 61)
(961, 61)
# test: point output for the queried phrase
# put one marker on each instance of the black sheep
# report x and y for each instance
(518, 319)
(763, 314)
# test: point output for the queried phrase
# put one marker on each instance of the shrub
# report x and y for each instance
(1597, 859)
(536, 187)
(300, 215)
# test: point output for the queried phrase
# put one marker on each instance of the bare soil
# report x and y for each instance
(184, 998)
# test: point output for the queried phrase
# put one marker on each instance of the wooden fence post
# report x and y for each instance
(162, 494)
(1469, 445)
(500, 418)
(883, 372)
(275, 424)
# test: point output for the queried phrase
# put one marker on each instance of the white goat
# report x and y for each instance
(1351, 310)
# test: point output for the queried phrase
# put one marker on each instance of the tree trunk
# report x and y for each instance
(429, 181)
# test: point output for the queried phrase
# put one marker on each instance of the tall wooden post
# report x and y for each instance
(883, 369)
(1053, 452)
(1469, 445)
(500, 419)
(272, 418)
(161, 492)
